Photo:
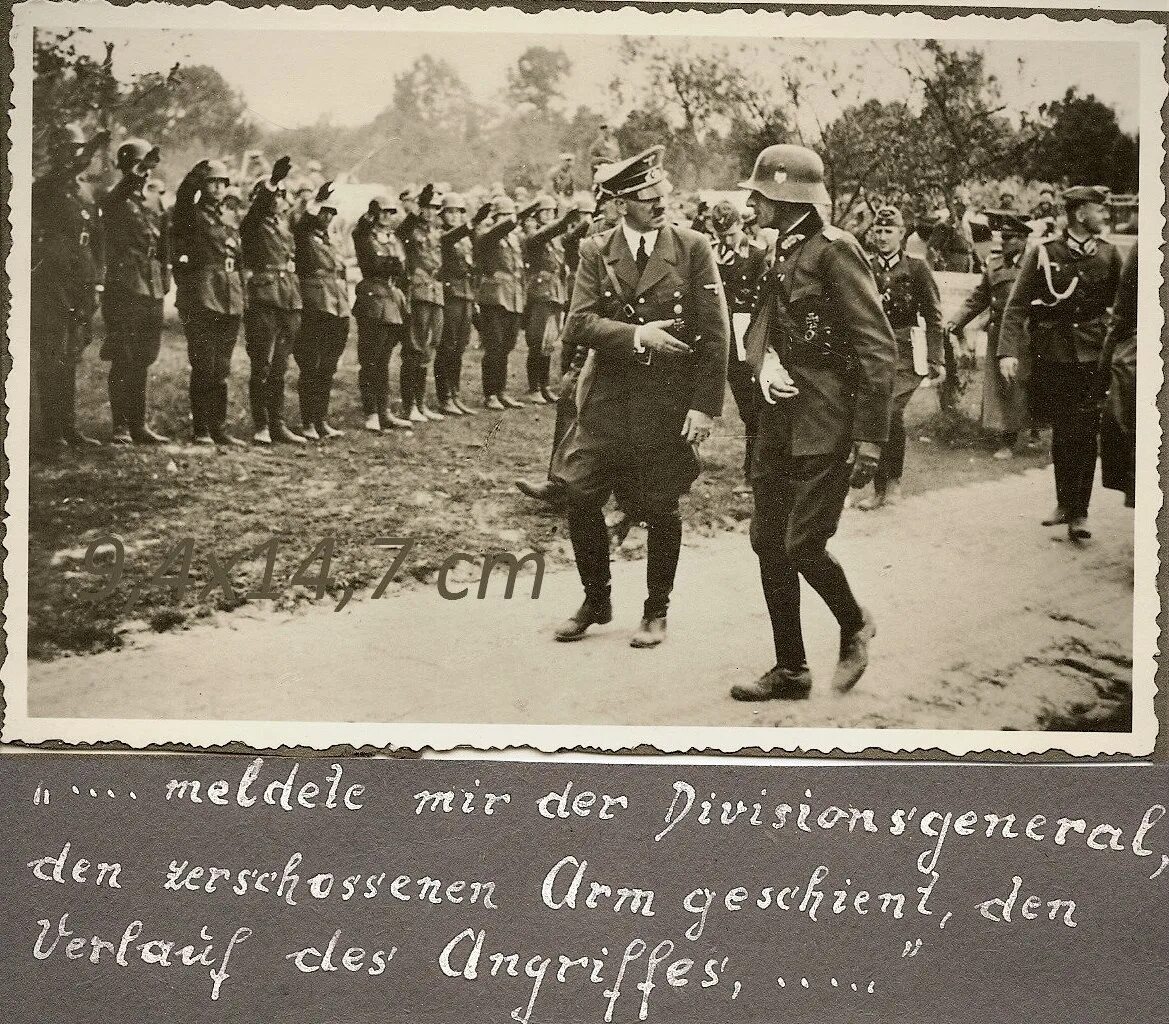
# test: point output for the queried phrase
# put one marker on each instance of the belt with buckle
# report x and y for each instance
(83, 238)
(229, 264)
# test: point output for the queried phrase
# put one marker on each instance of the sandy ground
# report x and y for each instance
(986, 620)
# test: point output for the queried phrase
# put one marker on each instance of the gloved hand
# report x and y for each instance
(774, 380)
(1009, 368)
(324, 192)
(866, 455)
(280, 170)
(426, 195)
(481, 214)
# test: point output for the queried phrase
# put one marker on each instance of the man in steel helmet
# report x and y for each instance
(205, 255)
(66, 276)
(458, 283)
(137, 279)
(499, 257)
(824, 355)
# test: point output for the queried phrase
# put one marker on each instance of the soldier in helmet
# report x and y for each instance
(547, 291)
(741, 266)
(272, 318)
(422, 238)
(137, 279)
(499, 257)
(208, 272)
(458, 283)
(562, 177)
(1057, 316)
(649, 306)
(824, 355)
(909, 296)
(66, 276)
(381, 311)
(324, 325)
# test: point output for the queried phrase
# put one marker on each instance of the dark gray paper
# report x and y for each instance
(315, 891)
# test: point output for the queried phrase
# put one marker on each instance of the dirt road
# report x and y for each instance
(986, 620)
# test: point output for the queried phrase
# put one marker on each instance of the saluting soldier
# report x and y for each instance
(458, 284)
(273, 314)
(381, 311)
(909, 296)
(741, 265)
(67, 258)
(546, 291)
(324, 325)
(1004, 404)
(137, 279)
(825, 358)
(422, 238)
(648, 304)
(208, 272)
(499, 257)
(1057, 315)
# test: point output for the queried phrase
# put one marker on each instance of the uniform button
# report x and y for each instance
(641, 301)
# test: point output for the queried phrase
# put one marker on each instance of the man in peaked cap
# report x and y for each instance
(1057, 315)
(648, 304)
(1004, 404)
(825, 358)
(66, 277)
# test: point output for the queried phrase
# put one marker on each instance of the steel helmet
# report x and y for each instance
(216, 170)
(545, 202)
(504, 207)
(453, 201)
(382, 203)
(789, 174)
(134, 151)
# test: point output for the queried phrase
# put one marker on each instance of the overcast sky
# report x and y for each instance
(290, 78)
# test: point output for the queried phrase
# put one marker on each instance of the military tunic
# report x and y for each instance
(423, 244)
(1057, 314)
(209, 277)
(1004, 406)
(380, 309)
(67, 267)
(137, 279)
(272, 317)
(324, 328)
(458, 282)
(499, 257)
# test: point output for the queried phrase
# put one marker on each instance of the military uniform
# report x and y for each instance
(546, 293)
(604, 150)
(634, 402)
(909, 295)
(208, 274)
(137, 278)
(1004, 405)
(458, 282)
(1118, 365)
(1057, 314)
(324, 328)
(499, 257)
(380, 310)
(273, 315)
(67, 258)
(423, 244)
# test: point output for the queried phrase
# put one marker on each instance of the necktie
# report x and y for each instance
(642, 255)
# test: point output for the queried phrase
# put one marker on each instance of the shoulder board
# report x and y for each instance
(912, 256)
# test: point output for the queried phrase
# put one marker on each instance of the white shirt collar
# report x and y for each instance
(633, 239)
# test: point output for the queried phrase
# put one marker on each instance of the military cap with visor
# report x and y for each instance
(1077, 195)
(1007, 223)
(454, 201)
(641, 177)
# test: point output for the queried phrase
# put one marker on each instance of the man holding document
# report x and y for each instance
(825, 358)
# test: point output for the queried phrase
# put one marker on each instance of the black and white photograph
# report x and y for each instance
(583, 379)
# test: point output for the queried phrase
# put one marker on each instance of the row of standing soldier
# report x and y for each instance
(428, 276)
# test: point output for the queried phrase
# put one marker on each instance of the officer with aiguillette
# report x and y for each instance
(1057, 314)
(648, 304)
(137, 279)
(205, 258)
(825, 359)
(272, 319)
(67, 270)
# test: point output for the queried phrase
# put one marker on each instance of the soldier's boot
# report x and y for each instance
(467, 410)
(139, 431)
(262, 436)
(68, 410)
(388, 420)
(493, 403)
(874, 500)
(776, 683)
(1058, 516)
(372, 423)
(1078, 528)
(118, 412)
(650, 633)
(854, 654)
(509, 402)
(596, 610)
(280, 432)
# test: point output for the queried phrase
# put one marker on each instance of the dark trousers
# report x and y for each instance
(565, 410)
(269, 335)
(211, 340)
(745, 391)
(892, 463)
(498, 330)
(538, 316)
(1065, 394)
(590, 546)
(375, 344)
(456, 335)
(319, 345)
(133, 341)
(421, 344)
(797, 510)
(58, 344)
